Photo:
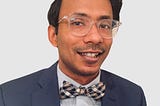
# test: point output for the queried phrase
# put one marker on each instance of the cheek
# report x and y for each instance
(65, 39)
(66, 44)
(62, 43)
(62, 37)
(108, 44)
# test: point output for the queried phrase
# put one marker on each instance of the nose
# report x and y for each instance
(93, 36)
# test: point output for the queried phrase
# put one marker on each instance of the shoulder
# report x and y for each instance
(25, 84)
(22, 83)
(118, 80)
(21, 89)
(124, 89)
(30, 80)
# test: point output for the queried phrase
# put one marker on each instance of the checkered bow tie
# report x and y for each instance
(69, 90)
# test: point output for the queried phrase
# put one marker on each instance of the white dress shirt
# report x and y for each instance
(79, 100)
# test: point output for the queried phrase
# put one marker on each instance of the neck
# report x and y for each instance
(83, 80)
(79, 78)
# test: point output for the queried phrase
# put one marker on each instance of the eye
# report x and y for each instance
(77, 22)
(105, 26)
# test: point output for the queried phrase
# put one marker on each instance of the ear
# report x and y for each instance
(52, 35)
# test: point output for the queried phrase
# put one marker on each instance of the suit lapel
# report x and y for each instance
(110, 98)
(48, 92)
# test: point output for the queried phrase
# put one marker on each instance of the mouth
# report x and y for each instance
(91, 54)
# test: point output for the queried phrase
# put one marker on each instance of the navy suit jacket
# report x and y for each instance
(41, 89)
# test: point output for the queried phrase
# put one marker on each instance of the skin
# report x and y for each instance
(82, 69)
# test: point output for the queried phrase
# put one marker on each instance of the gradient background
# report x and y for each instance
(24, 45)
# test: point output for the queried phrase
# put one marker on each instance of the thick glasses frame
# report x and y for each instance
(81, 25)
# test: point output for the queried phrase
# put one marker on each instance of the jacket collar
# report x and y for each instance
(48, 92)
(110, 98)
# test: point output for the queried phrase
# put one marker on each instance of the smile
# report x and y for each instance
(90, 54)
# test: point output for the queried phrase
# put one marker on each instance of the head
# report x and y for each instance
(53, 13)
(80, 57)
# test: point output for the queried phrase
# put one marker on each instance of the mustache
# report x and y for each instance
(90, 46)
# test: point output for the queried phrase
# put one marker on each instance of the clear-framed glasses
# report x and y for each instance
(80, 25)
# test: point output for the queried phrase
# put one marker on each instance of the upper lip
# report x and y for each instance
(91, 51)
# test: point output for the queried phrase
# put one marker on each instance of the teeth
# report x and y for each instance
(90, 54)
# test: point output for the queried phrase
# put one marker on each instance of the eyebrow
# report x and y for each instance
(99, 18)
(104, 17)
(81, 14)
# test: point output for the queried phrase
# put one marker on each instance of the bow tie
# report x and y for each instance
(69, 90)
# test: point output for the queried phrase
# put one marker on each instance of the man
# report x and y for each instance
(82, 30)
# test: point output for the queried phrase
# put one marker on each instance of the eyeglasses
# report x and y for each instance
(81, 25)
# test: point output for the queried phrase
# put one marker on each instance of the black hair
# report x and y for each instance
(53, 13)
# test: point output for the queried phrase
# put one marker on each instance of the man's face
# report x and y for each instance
(82, 56)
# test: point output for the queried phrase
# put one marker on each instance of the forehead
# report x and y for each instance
(93, 8)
